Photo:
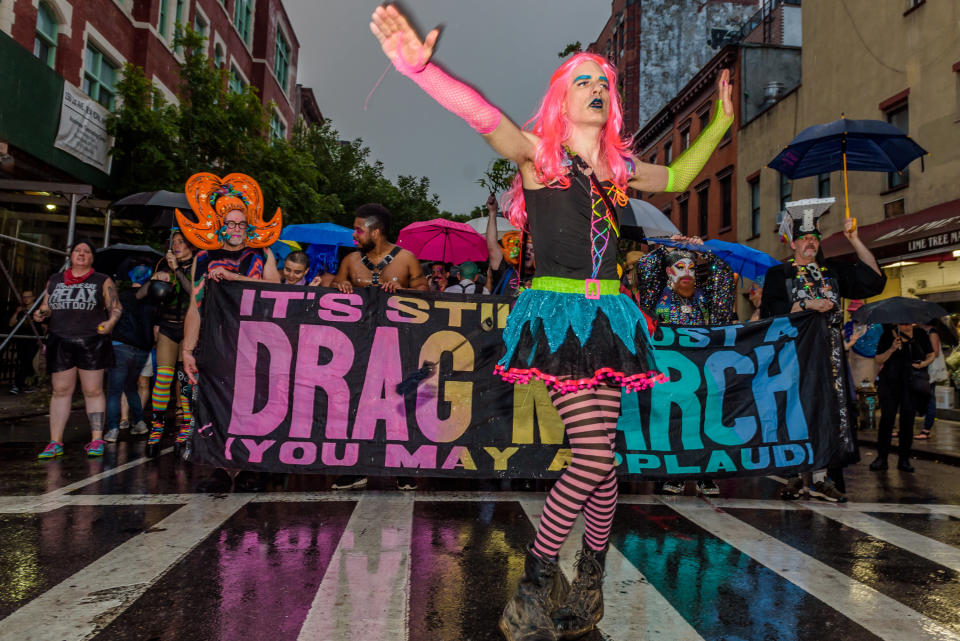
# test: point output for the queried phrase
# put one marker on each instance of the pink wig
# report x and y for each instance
(553, 128)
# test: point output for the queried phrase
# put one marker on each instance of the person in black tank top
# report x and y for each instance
(82, 308)
(572, 329)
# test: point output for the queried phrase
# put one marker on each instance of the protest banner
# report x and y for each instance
(300, 379)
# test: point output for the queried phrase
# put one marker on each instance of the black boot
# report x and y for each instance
(541, 589)
(583, 608)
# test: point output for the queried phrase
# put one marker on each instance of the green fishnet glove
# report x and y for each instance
(688, 164)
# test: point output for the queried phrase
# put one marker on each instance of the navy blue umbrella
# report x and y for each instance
(857, 145)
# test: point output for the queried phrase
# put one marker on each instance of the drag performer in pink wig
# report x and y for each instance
(572, 329)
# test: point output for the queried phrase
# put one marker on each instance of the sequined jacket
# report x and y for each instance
(714, 278)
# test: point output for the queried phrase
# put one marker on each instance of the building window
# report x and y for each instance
(685, 215)
(653, 158)
(281, 60)
(668, 153)
(786, 191)
(237, 85)
(754, 207)
(823, 185)
(726, 202)
(899, 117)
(278, 130)
(199, 24)
(162, 25)
(45, 41)
(243, 18)
(685, 138)
(704, 117)
(99, 77)
(703, 208)
(218, 56)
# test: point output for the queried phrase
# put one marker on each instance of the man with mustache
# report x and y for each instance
(807, 282)
(669, 291)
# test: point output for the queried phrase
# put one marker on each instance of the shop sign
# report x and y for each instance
(83, 129)
(936, 241)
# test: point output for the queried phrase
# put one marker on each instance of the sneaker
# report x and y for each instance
(673, 487)
(94, 448)
(825, 490)
(794, 490)
(406, 483)
(139, 429)
(707, 487)
(53, 449)
(14, 390)
(124, 423)
(349, 482)
(111, 435)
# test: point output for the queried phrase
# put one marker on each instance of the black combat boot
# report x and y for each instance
(583, 608)
(541, 590)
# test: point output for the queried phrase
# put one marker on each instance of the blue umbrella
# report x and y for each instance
(748, 262)
(319, 234)
(857, 145)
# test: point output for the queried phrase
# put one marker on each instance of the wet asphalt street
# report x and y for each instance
(122, 548)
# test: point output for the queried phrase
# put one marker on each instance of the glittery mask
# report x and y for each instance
(511, 247)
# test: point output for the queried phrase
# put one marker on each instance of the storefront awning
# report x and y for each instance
(932, 230)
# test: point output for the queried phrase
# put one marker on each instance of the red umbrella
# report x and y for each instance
(445, 240)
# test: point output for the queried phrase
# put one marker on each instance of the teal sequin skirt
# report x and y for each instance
(571, 341)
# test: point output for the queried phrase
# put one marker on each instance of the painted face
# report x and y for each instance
(180, 247)
(81, 256)
(363, 236)
(755, 295)
(680, 274)
(588, 97)
(806, 247)
(236, 228)
(293, 272)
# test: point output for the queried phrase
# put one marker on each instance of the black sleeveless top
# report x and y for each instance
(76, 310)
(560, 224)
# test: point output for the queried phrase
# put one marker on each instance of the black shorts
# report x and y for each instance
(89, 352)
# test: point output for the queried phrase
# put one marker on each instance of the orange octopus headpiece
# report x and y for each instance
(212, 198)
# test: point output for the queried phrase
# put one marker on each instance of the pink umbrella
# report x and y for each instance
(442, 239)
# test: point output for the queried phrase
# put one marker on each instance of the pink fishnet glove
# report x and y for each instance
(452, 94)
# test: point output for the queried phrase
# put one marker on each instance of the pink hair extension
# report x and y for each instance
(553, 128)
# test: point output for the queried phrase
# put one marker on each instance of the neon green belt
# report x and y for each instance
(590, 287)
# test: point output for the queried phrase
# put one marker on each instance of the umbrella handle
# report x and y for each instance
(846, 191)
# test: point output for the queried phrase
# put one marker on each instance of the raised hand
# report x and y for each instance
(391, 28)
(725, 91)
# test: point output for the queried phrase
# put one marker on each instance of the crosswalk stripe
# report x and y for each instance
(924, 546)
(882, 615)
(364, 595)
(635, 609)
(87, 601)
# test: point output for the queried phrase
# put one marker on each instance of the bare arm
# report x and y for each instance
(864, 254)
(191, 334)
(342, 279)
(112, 302)
(270, 272)
(493, 247)
(417, 279)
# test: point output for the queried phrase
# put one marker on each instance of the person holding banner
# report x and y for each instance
(572, 329)
(234, 239)
(808, 283)
(672, 291)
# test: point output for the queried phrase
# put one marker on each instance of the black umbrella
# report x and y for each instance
(120, 258)
(898, 309)
(152, 207)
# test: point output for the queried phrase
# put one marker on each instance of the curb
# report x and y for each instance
(926, 455)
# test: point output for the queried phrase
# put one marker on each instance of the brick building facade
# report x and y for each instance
(88, 41)
(708, 207)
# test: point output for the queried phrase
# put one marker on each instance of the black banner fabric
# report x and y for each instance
(300, 379)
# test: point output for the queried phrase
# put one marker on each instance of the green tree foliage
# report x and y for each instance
(573, 47)
(313, 177)
(498, 176)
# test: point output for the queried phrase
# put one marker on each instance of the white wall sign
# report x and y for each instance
(83, 129)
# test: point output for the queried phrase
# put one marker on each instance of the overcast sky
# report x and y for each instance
(506, 49)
